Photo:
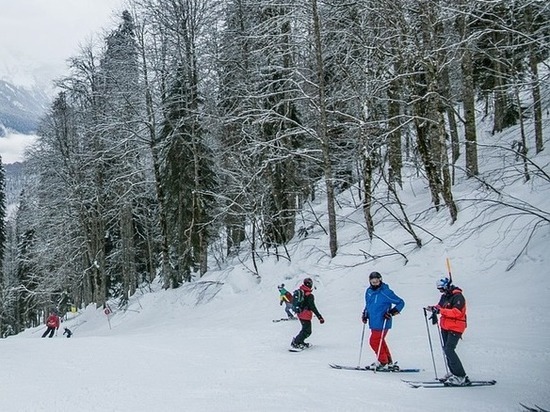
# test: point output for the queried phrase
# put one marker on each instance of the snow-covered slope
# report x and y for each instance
(212, 345)
(20, 108)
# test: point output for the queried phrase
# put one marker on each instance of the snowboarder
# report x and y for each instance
(285, 297)
(52, 324)
(305, 315)
(68, 332)
(381, 304)
(452, 308)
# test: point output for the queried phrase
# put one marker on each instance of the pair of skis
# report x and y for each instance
(369, 368)
(440, 384)
(416, 384)
(534, 408)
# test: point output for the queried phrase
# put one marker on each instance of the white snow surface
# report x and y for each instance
(215, 348)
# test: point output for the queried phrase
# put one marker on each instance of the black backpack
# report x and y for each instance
(298, 299)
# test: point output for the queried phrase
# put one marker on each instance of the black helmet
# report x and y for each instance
(375, 275)
(308, 282)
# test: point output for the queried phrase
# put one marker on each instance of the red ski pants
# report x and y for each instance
(378, 342)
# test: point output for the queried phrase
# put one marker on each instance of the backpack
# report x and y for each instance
(298, 298)
(288, 296)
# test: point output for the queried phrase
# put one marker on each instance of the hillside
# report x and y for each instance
(20, 108)
(212, 346)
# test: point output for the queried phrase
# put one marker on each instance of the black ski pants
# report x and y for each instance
(50, 331)
(304, 333)
(450, 340)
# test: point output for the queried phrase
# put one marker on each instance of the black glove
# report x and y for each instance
(433, 318)
(433, 309)
(364, 317)
(321, 321)
(390, 313)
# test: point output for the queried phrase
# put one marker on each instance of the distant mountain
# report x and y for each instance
(21, 108)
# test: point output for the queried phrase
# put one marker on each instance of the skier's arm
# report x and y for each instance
(398, 303)
(313, 308)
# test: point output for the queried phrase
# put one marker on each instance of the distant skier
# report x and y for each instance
(306, 314)
(285, 297)
(452, 308)
(52, 324)
(68, 332)
(381, 304)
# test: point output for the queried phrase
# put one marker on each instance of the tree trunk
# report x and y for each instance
(394, 147)
(468, 99)
(367, 187)
(127, 251)
(537, 105)
(446, 187)
(323, 132)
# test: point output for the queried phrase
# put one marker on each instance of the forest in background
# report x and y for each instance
(199, 130)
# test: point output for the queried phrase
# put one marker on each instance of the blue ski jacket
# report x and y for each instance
(380, 301)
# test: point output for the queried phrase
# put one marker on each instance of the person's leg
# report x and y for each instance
(374, 340)
(385, 355)
(307, 330)
(304, 333)
(288, 306)
(51, 332)
(377, 343)
(450, 340)
(46, 333)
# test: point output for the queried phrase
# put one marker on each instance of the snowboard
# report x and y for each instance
(291, 349)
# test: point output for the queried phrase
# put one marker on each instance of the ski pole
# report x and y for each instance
(381, 341)
(361, 348)
(443, 348)
(430, 341)
(448, 262)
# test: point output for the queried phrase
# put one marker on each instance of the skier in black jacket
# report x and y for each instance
(306, 315)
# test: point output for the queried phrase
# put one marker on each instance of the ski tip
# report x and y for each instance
(534, 408)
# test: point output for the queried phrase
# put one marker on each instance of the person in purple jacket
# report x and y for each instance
(381, 304)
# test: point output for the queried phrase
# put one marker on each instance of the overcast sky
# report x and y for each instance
(37, 36)
(36, 39)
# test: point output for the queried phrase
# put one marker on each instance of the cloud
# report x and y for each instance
(38, 36)
(12, 147)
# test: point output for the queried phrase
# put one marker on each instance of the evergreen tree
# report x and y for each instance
(122, 110)
(2, 214)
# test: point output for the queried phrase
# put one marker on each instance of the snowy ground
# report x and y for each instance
(218, 350)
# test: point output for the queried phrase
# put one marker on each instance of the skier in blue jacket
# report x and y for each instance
(381, 304)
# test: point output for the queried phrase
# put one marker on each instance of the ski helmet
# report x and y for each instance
(443, 283)
(308, 282)
(375, 275)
